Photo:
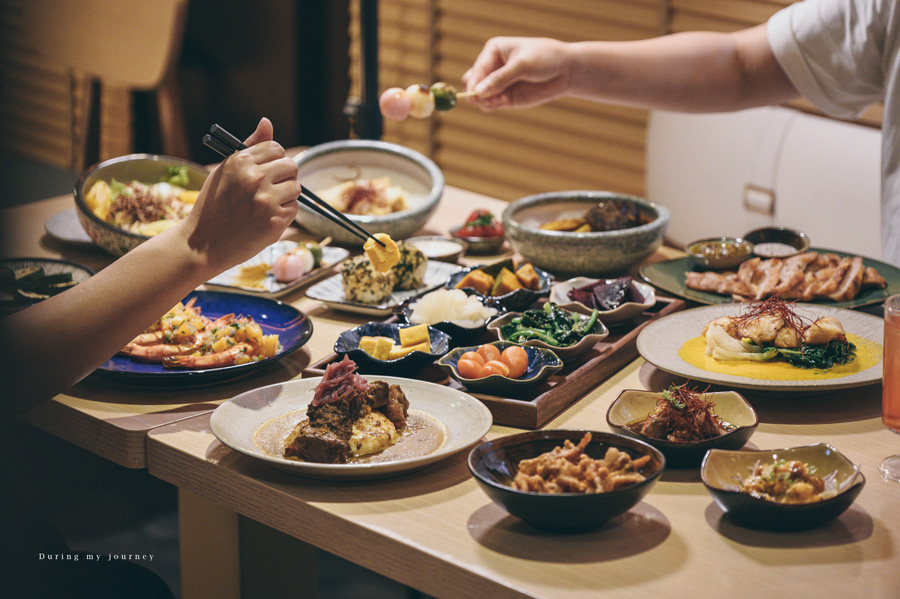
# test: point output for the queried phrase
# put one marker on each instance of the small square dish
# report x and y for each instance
(625, 311)
(349, 343)
(541, 364)
(723, 472)
(634, 406)
(255, 275)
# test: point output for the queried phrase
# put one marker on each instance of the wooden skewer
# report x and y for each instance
(466, 94)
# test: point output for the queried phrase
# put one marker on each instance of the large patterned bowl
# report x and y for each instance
(566, 253)
(146, 168)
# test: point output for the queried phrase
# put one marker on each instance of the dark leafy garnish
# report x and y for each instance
(820, 356)
(550, 324)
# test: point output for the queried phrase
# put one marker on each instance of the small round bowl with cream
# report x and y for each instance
(777, 242)
(438, 247)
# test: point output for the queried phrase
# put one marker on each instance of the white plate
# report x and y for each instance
(235, 422)
(661, 340)
(272, 287)
(64, 226)
(331, 291)
(559, 294)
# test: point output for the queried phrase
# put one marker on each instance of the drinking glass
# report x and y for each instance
(890, 395)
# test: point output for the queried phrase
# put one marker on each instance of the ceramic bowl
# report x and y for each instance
(332, 163)
(719, 253)
(438, 247)
(780, 235)
(495, 463)
(590, 254)
(599, 333)
(348, 343)
(146, 168)
(559, 294)
(518, 299)
(722, 469)
(633, 405)
(462, 332)
(480, 245)
(541, 364)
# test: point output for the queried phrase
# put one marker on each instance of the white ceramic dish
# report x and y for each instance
(331, 291)
(64, 226)
(329, 164)
(272, 287)
(559, 294)
(661, 340)
(465, 419)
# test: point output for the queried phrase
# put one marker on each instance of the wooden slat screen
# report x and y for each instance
(567, 144)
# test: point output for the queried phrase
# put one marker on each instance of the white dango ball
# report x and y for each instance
(421, 101)
(394, 103)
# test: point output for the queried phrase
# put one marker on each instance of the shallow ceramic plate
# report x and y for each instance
(79, 273)
(495, 464)
(348, 343)
(669, 276)
(565, 353)
(541, 364)
(661, 340)
(65, 226)
(235, 422)
(271, 286)
(518, 299)
(721, 471)
(633, 405)
(559, 294)
(291, 325)
(331, 291)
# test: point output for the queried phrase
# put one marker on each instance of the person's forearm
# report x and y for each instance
(68, 336)
(686, 72)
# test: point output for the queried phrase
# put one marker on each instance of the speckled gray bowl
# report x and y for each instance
(146, 168)
(332, 163)
(567, 253)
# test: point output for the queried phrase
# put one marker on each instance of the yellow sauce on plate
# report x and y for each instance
(868, 354)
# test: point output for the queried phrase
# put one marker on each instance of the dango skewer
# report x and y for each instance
(419, 100)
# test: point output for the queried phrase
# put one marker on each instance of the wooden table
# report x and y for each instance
(435, 530)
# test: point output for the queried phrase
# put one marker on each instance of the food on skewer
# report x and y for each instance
(418, 100)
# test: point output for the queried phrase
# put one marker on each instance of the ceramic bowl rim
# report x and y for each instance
(81, 203)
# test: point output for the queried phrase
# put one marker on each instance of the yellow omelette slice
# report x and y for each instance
(382, 257)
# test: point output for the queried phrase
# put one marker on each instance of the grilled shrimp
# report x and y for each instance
(216, 360)
(159, 351)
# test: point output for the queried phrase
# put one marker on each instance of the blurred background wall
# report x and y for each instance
(297, 61)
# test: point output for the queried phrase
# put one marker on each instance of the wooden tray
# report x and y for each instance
(535, 407)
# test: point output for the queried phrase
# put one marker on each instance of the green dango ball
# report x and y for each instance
(444, 96)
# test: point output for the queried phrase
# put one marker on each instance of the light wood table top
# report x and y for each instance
(445, 537)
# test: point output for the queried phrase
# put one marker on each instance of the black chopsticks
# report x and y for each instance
(224, 143)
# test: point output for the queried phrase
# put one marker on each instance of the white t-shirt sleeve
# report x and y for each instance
(832, 51)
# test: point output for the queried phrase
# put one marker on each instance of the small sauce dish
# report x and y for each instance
(720, 253)
(438, 247)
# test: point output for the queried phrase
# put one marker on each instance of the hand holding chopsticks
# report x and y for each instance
(221, 141)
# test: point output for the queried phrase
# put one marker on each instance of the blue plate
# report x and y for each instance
(541, 364)
(348, 343)
(292, 326)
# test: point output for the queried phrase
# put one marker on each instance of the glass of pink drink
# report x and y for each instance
(890, 398)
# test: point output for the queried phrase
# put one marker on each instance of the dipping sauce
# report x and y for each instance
(437, 248)
(774, 249)
(724, 248)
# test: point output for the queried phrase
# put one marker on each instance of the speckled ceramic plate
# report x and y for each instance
(270, 286)
(236, 422)
(331, 292)
(661, 340)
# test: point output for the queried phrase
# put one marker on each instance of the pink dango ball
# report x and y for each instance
(394, 104)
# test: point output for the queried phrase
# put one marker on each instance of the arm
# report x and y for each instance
(244, 205)
(688, 72)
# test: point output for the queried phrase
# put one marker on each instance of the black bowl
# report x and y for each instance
(494, 465)
(459, 335)
(721, 470)
(764, 235)
(518, 299)
(348, 343)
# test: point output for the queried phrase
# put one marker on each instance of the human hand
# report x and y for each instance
(518, 72)
(245, 203)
